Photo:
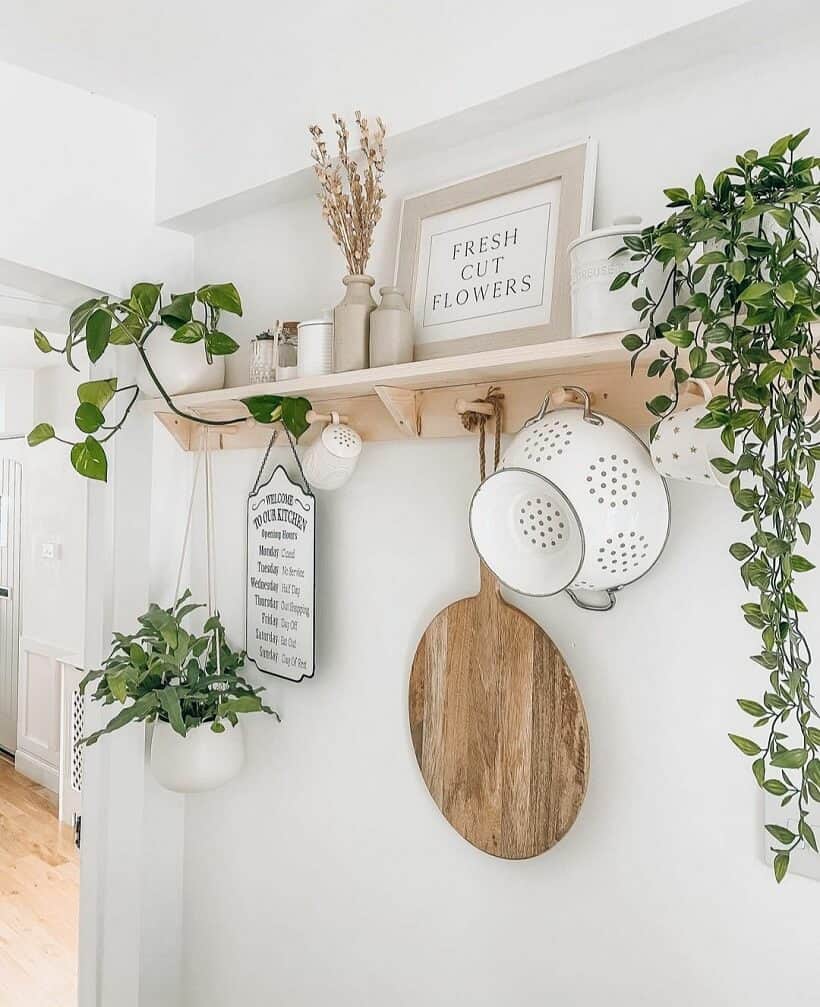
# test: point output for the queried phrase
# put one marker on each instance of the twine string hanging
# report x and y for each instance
(473, 420)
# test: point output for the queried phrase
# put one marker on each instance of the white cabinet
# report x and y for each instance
(39, 713)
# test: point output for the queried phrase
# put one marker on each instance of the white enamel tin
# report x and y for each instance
(575, 506)
(595, 308)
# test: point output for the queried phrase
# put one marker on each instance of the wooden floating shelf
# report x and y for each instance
(419, 399)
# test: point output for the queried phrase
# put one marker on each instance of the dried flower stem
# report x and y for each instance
(351, 195)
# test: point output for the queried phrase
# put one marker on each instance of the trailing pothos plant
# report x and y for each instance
(164, 672)
(742, 272)
(189, 318)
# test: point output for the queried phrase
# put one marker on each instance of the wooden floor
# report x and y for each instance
(39, 895)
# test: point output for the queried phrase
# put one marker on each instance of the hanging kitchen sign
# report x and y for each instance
(280, 634)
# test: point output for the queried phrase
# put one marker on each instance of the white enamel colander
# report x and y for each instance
(574, 506)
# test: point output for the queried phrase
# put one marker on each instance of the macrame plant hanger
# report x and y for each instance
(210, 539)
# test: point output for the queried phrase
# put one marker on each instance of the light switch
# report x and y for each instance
(50, 550)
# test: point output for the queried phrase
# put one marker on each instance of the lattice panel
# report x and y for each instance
(77, 726)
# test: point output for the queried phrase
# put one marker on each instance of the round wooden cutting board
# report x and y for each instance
(498, 726)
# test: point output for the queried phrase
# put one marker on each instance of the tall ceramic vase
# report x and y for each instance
(351, 324)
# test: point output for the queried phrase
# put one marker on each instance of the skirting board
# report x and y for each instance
(39, 772)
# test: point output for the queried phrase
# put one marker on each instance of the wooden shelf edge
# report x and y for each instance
(419, 399)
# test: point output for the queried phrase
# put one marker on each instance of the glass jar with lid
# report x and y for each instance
(263, 357)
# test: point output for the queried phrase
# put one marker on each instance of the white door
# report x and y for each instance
(11, 484)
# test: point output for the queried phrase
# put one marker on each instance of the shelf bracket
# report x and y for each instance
(403, 406)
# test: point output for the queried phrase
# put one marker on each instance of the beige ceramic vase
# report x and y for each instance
(391, 330)
(351, 324)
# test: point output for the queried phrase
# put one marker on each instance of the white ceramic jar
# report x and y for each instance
(595, 308)
(315, 346)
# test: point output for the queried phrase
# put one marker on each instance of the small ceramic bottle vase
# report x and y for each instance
(351, 324)
(391, 330)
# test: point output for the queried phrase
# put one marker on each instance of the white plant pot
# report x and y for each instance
(181, 367)
(202, 760)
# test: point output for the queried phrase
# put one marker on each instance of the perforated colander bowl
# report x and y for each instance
(575, 506)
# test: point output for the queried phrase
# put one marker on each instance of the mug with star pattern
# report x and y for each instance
(680, 450)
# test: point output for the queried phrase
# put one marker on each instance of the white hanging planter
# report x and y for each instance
(202, 760)
(181, 367)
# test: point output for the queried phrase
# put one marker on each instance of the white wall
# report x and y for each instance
(16, 400)
(77, 187)
(325, 874)
(54, 505)
(412, 64)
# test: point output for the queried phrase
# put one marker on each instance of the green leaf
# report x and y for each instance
(294, 415)
(81, 314)
(680, 337)
(775, 787)
(41, 342)
(620, 280)
(632, 342)
(220, 344)
(807, 833)
(190, 332)
(779, 147)
(178, 311)
(659, 405)
(88, 418)
(127, 332)
(97, 334)
(755, 292)
(751, 707)
(169, 701)
(745, 745)
(801, 565)
(712, 258)
(88, 458)
(759, 770)
(676, 195)
(223, 296)
(781, 866)
(97, 393)
(737, 270)
(144, 297)
(118, 686)
(781, 834)
(264, 408)
(813, 771)
(40, 434)
(794, 758)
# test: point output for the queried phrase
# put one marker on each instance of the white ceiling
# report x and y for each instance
(154, 53)
(235, 84)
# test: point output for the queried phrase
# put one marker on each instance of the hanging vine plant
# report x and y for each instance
(189, 318)
(742, 271)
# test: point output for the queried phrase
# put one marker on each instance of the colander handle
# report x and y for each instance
(567, 391)
(591, 606)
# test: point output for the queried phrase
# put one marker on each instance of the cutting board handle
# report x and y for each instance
(490, 584)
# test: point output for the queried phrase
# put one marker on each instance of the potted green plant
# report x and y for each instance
(189, 687)
(742, 268)
(157, 332)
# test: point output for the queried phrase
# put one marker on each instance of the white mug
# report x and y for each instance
(330, 460)
(680, 450)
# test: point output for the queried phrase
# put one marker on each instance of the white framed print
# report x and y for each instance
(484, 261)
